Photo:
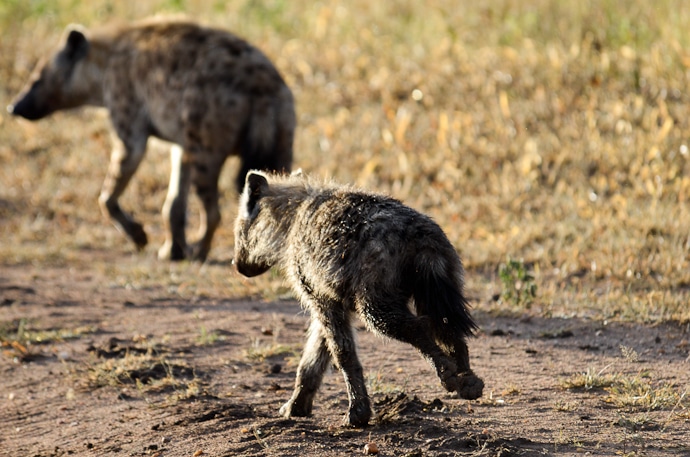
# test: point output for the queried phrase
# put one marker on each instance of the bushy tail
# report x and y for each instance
(268, 135)
(438, 295)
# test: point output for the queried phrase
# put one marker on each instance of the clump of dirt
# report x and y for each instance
(395, 408)
(118, 348)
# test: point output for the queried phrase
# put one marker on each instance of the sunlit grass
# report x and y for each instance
(637, 391)
(260, 351)
(642, 392)
(552, 132)
(590, 379)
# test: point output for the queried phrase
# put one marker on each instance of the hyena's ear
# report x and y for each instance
(254, 188)
(77, 45)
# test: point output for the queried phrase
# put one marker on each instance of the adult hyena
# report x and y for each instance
(348, 252)
(206, 90)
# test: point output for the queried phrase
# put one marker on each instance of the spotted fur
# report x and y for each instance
(206, 90)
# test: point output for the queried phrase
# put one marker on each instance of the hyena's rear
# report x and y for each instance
(206, 90)
(348, 252)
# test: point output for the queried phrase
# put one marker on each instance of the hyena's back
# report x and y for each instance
(204, 88)
(349, 241)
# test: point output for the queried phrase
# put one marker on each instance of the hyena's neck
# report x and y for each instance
(284, 202)
(110, 48)
(93, 72)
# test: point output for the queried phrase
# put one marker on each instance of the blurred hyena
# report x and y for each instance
(347, 252)
(206, 90)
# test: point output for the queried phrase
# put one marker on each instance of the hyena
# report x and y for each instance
(349, 252)
(211, 93)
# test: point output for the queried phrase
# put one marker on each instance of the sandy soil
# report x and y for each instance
(147, 373)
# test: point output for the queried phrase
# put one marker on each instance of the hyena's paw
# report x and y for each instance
(137, 234)
(448, 374)
(292, 409)
(171, 251)
(358, 414)
(470, 386)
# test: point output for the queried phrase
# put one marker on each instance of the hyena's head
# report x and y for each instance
(66, 79)
(258, 233)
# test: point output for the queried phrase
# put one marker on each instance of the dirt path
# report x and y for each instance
(130, 372)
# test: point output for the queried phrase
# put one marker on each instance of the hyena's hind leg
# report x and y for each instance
(439, 297)
(471, 386)
(391, 317)
(124, 161)
(337, 334)
(175, 207)
(312, 366)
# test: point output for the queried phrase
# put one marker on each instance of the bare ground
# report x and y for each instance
(111, 370)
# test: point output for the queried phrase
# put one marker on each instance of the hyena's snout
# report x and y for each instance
(26, 105)
(249, 269)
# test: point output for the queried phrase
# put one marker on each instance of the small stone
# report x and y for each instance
(371, 449)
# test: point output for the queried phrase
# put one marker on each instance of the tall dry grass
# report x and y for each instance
(552, 132)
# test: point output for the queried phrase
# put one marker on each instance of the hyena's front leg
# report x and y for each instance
(312, 366)
(341, 344)
(175, 207)
(124, 161)
(205, 173)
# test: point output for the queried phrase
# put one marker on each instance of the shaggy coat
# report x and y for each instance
(349, 252)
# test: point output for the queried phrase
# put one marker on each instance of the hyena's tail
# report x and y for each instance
(268, 136)
(438, 294)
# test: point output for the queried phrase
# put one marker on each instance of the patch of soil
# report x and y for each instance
(218, 399)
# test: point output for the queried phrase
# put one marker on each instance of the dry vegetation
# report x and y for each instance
(551, 132)
(550, 140)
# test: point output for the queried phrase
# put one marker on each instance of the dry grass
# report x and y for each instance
(638, 391)
(590, 379)
(21, 342)
(144, 365)
(259, 351)
(546, 131)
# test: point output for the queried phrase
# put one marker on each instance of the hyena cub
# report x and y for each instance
(206, 90)
(348, 252)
